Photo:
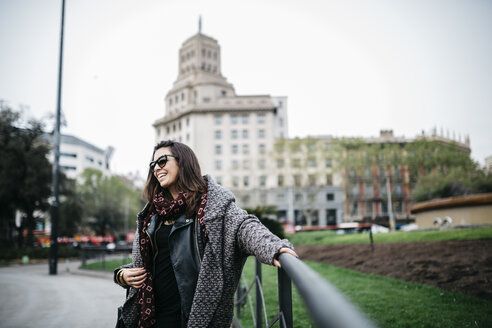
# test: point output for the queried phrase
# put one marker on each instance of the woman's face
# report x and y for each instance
(167, 175)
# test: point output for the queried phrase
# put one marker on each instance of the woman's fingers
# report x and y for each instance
(284, 250)
(134, 277)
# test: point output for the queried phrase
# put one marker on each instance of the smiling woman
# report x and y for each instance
(190, 247)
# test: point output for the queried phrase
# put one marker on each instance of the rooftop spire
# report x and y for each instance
(200, 24)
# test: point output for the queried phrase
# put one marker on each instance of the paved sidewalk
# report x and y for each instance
(77, 298)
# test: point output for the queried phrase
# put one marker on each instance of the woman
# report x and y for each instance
(191, 244)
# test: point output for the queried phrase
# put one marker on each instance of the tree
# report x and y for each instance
(25, 173)
(105, 200)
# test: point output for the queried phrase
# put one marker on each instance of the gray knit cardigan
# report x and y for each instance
(233, 235)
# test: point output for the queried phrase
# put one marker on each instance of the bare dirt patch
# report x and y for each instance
(462, 266)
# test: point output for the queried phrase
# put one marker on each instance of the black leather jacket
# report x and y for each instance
(186, 248)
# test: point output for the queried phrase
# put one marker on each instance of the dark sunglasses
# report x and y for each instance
(161, 162)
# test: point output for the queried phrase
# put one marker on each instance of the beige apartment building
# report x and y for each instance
(234, 137)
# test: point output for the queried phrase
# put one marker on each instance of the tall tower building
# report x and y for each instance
(232, 135)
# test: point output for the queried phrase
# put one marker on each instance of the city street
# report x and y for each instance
(30, 297)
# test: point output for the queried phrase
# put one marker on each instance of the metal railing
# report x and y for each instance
(326, 305)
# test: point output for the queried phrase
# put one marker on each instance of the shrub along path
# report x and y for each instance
(464, 266)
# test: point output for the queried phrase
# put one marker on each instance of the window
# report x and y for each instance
(234, 134)
(311, 198)
(234, 149)
(296, 163)
(245, 118)
(397, 190)
(235, 181)
(312, 179)
(246, 181)
(261, 164)
(354, 209)
(279, 148)
(311, 146)
(246, 164)
(218, 119)
(261, 118)
(262, 180)
(223, 93)
(355, 191)
(68, 155)
(331, 216)
(68, 168)
(182, 96)
(328, 162)
(218, 134)
(245, 134)
(218, 149)
(89, 159)
(170, 101)
(367, 172)
(280, 163)
(384, 208)
(329, 180)
(245, 149)
(261, 133)
(368, 190)
(218, 165)
(218, 179)
(235, 164)
(188, 121)
(327, 146)
(206, 99)
(368, 209)
(297, 180)
(280, 104)
(233, 119)
(311, 161)
(280, 180)
(245, 199)
(298, 197)
(261, 148)
(280, 198)
(330, 196)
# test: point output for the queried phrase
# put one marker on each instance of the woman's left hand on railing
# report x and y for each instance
(283, 250)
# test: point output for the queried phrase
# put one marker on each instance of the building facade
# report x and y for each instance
(76, 155)
(234, 137)
(378, 167)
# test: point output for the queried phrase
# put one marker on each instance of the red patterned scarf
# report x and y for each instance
(168, 211)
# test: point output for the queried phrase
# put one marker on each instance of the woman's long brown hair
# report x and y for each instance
(189, 179)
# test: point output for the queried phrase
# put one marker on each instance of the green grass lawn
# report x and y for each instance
(330, 237)
(108, 265)
(388, 302)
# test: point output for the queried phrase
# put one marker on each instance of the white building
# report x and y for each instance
(76, 155)
(234, 136)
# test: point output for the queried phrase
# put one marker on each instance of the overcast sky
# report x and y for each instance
(348, 68)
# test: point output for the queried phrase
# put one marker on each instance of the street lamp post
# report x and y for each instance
(56, 162)
(390, 205)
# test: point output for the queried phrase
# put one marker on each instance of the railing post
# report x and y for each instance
(238, 297)
(258, 306)
(285, 298)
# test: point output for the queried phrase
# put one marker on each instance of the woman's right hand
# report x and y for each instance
(134, 277)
